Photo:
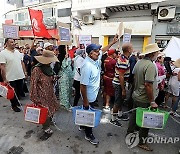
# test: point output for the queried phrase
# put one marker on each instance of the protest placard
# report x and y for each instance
(10, 31)
(120, 30)
(85, 39)
(127, 35)
(173, 49)
(64, 34)
(76, 23)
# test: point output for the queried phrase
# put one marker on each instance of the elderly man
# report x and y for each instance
(12, 70)
(145, 89)
(90, 80)
(122, 71)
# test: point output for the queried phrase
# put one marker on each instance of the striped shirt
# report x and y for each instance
(122, 65)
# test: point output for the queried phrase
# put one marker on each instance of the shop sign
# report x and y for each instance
(25, 28)
(173, 28)
(29, 27)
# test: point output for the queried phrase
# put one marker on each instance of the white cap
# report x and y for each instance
(47, 44)
(39, 48)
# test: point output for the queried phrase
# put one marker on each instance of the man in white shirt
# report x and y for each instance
(78, 61)
(12, 70)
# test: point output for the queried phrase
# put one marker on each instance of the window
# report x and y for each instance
(21, 16)
(64, 12)
(47, 13)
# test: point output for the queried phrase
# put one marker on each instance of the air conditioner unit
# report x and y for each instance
(88, 19)
(166, 13)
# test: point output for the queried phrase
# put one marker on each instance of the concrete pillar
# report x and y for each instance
(101, 40)
(146, 41)
(153, 32)
(106, 41)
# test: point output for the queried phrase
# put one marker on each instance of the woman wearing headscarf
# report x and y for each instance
(41, 89)
(65, 75)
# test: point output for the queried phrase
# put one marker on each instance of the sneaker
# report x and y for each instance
(16, 109)
(92, 139)
(116, 123)
(124, 117)
(106, 109)
(81, 128)
(176, 115)
(171, 112)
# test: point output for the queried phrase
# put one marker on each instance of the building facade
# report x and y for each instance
(53, 11)
(101, 19)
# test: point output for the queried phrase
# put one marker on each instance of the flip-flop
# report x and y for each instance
(145, 147)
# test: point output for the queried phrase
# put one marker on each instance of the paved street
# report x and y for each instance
(18, 136)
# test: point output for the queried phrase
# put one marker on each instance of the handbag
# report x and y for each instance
(35, 113)
(151, 118)
(89, 118)
(6, 91)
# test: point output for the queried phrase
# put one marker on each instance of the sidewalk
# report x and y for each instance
(20, 137)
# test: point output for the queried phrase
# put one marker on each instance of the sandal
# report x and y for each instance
(48, 131)
(145, 147)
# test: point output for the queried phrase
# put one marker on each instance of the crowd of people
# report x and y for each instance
(149, 77)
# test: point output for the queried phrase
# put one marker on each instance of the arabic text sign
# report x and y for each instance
(153, 120)
(127, 35)
(32, 114)
(11, 31)
(85, 39)
(85, 118)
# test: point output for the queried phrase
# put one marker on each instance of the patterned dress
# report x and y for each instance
(65, 83)
(42, 92)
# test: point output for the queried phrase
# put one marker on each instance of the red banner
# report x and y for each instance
(38, 26)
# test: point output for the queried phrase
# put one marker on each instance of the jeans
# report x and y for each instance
(143, 132)
(18, 87)
(76, 85)
(175, 106)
